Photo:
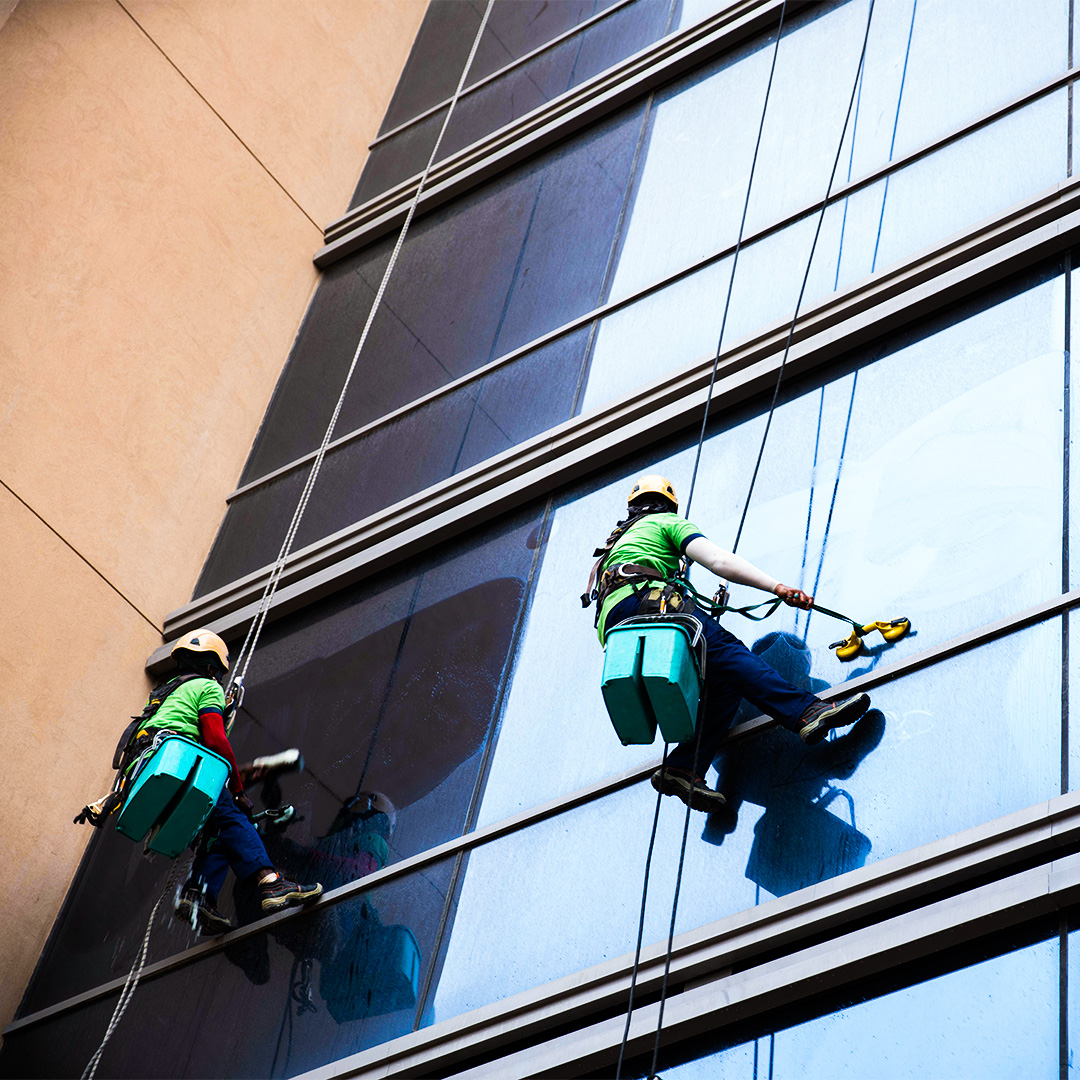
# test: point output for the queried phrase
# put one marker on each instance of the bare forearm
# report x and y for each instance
(728, 565)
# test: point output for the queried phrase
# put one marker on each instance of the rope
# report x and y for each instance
(735, 261)
(806, 278)
(690, 497)
(243, 660)
(133, 976)
(746, 506)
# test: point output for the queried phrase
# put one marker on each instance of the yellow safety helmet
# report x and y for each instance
(653, 484)
(203, 641)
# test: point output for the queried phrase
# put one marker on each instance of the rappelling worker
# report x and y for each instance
(635, 574)
(196, 708)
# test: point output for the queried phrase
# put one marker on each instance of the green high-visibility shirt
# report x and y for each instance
(180, 710)
(655, 540)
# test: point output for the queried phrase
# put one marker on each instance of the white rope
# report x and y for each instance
(132, 980)
(248, 648)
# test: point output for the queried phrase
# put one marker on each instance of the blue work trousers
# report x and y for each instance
(228, 839)
(732, 672)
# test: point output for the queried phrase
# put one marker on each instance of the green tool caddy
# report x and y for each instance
(653, 667)
(171, 794)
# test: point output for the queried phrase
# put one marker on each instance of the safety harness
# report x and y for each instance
(138, 737)
(671, 596)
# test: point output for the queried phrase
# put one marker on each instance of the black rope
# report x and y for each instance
(641, 927)
(749, 494)
(678, 886)
(690, 497)
(735, 261)
(802, 288)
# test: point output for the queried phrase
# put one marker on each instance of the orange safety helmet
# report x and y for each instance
(203, 641)
(653, 484)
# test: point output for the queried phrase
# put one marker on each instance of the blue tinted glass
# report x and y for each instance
(477, 279)
(964, 58)
(913, 772)
(876, 227)
(925, 484)
(994, 1020)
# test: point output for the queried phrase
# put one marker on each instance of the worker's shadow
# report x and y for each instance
(798, 841)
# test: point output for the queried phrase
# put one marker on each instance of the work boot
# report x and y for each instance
(278, 892)
(822, 717)
(692, 789)
(208, 920)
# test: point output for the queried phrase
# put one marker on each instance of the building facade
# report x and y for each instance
(894, 902)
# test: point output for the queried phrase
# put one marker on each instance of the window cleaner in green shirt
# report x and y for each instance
(653, 537)
(229, 839)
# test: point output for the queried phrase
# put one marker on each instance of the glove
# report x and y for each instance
(244, 803)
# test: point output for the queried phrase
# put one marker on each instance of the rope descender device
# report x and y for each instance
(850, 647)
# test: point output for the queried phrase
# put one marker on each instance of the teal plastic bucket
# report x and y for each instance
(651, 679)
(172, 795)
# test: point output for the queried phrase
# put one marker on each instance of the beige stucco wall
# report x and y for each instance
(164, 168)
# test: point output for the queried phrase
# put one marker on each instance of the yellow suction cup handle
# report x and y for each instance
(891, 630)
(850, 647)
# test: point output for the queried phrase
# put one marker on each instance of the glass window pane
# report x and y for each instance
(965, 58)
(392, 687)
(997, 1019)
(523, 88)
(475, 280)
(922, 479)
(311, 990)
(892, 219)
(914, 772)
(436, 440)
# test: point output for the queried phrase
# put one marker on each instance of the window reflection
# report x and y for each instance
(964, 58)
(388, 689)
(879, 225)
(923, 479)
(994, 1019)
(963, 742)
(802, 837)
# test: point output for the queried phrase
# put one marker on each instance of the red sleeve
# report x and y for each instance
(212, 726)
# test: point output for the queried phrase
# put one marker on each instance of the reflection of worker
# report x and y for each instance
(642, 552)
(196, 709)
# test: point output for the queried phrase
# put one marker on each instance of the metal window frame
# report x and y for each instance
(580, 107)
(843, 192)
(495, 75)
(1049, 609)
(1040, 227)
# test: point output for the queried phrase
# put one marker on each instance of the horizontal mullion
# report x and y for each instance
(540, 50)
(1036, 229)
(843, 192)
(901, 889)
(573, 800)
(550, 123)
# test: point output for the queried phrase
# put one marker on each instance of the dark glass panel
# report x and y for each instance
(516, 93)
(442, 46)
(312, 990)
(398, 459)
(389, 687)
(474, 281)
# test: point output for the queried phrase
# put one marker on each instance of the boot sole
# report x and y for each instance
(841, 716)
(274, 903)
(695, 798)
(204, 925)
